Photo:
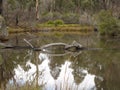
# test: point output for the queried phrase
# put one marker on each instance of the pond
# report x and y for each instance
(84, 70)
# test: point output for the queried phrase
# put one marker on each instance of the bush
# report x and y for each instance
(107, 24)
(70, 18)
(58, 22)
(55, 23)
(50, 22)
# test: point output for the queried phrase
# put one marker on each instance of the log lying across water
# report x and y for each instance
(50, 48)
(47, 48)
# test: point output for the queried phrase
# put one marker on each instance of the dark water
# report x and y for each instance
(85, 70)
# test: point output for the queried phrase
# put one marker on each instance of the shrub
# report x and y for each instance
(107, 24)
(58, 22)
(70, 18)
(50, 22)
(55, 23)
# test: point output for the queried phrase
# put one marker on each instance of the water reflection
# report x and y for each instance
(64, 81)
(5, 72)
(90, 70)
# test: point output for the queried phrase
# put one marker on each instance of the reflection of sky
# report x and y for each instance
(65, 80)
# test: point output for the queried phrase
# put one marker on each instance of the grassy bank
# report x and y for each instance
(51, 28)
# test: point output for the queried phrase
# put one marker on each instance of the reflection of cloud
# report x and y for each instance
(22, 76)
(65, 81)
(88, 83)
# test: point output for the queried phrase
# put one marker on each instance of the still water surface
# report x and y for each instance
(84, 70)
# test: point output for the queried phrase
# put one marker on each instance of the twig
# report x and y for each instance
(28, 43)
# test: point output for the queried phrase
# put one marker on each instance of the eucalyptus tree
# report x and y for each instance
(58, 5)
(20, 9)
(15, 7)
(37, 9)
(64, 5)
(78, 5)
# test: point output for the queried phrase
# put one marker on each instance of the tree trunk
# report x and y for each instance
(1, 7)
(37, 10)
(16, 20)
(104, 5)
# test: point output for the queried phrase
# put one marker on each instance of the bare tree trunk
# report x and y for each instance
(37, 10)
(1, 7)
(104, 5)
(16, 20)
(52, 7)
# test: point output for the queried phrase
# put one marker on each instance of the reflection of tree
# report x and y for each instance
(55, 65)
(37, 62)
(6, 71)
(36, 54)
(104, 64)
(78, 64)
(111, 77)
(9, 62)
(109, 69)
(108, 61)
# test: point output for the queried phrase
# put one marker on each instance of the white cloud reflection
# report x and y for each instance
(65, 80)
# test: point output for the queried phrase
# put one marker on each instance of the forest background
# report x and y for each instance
(101, 14)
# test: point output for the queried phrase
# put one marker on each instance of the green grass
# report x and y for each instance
(62, 25)
(66, 28)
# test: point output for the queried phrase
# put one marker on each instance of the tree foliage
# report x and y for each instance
(108, 25)
(70, 11)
